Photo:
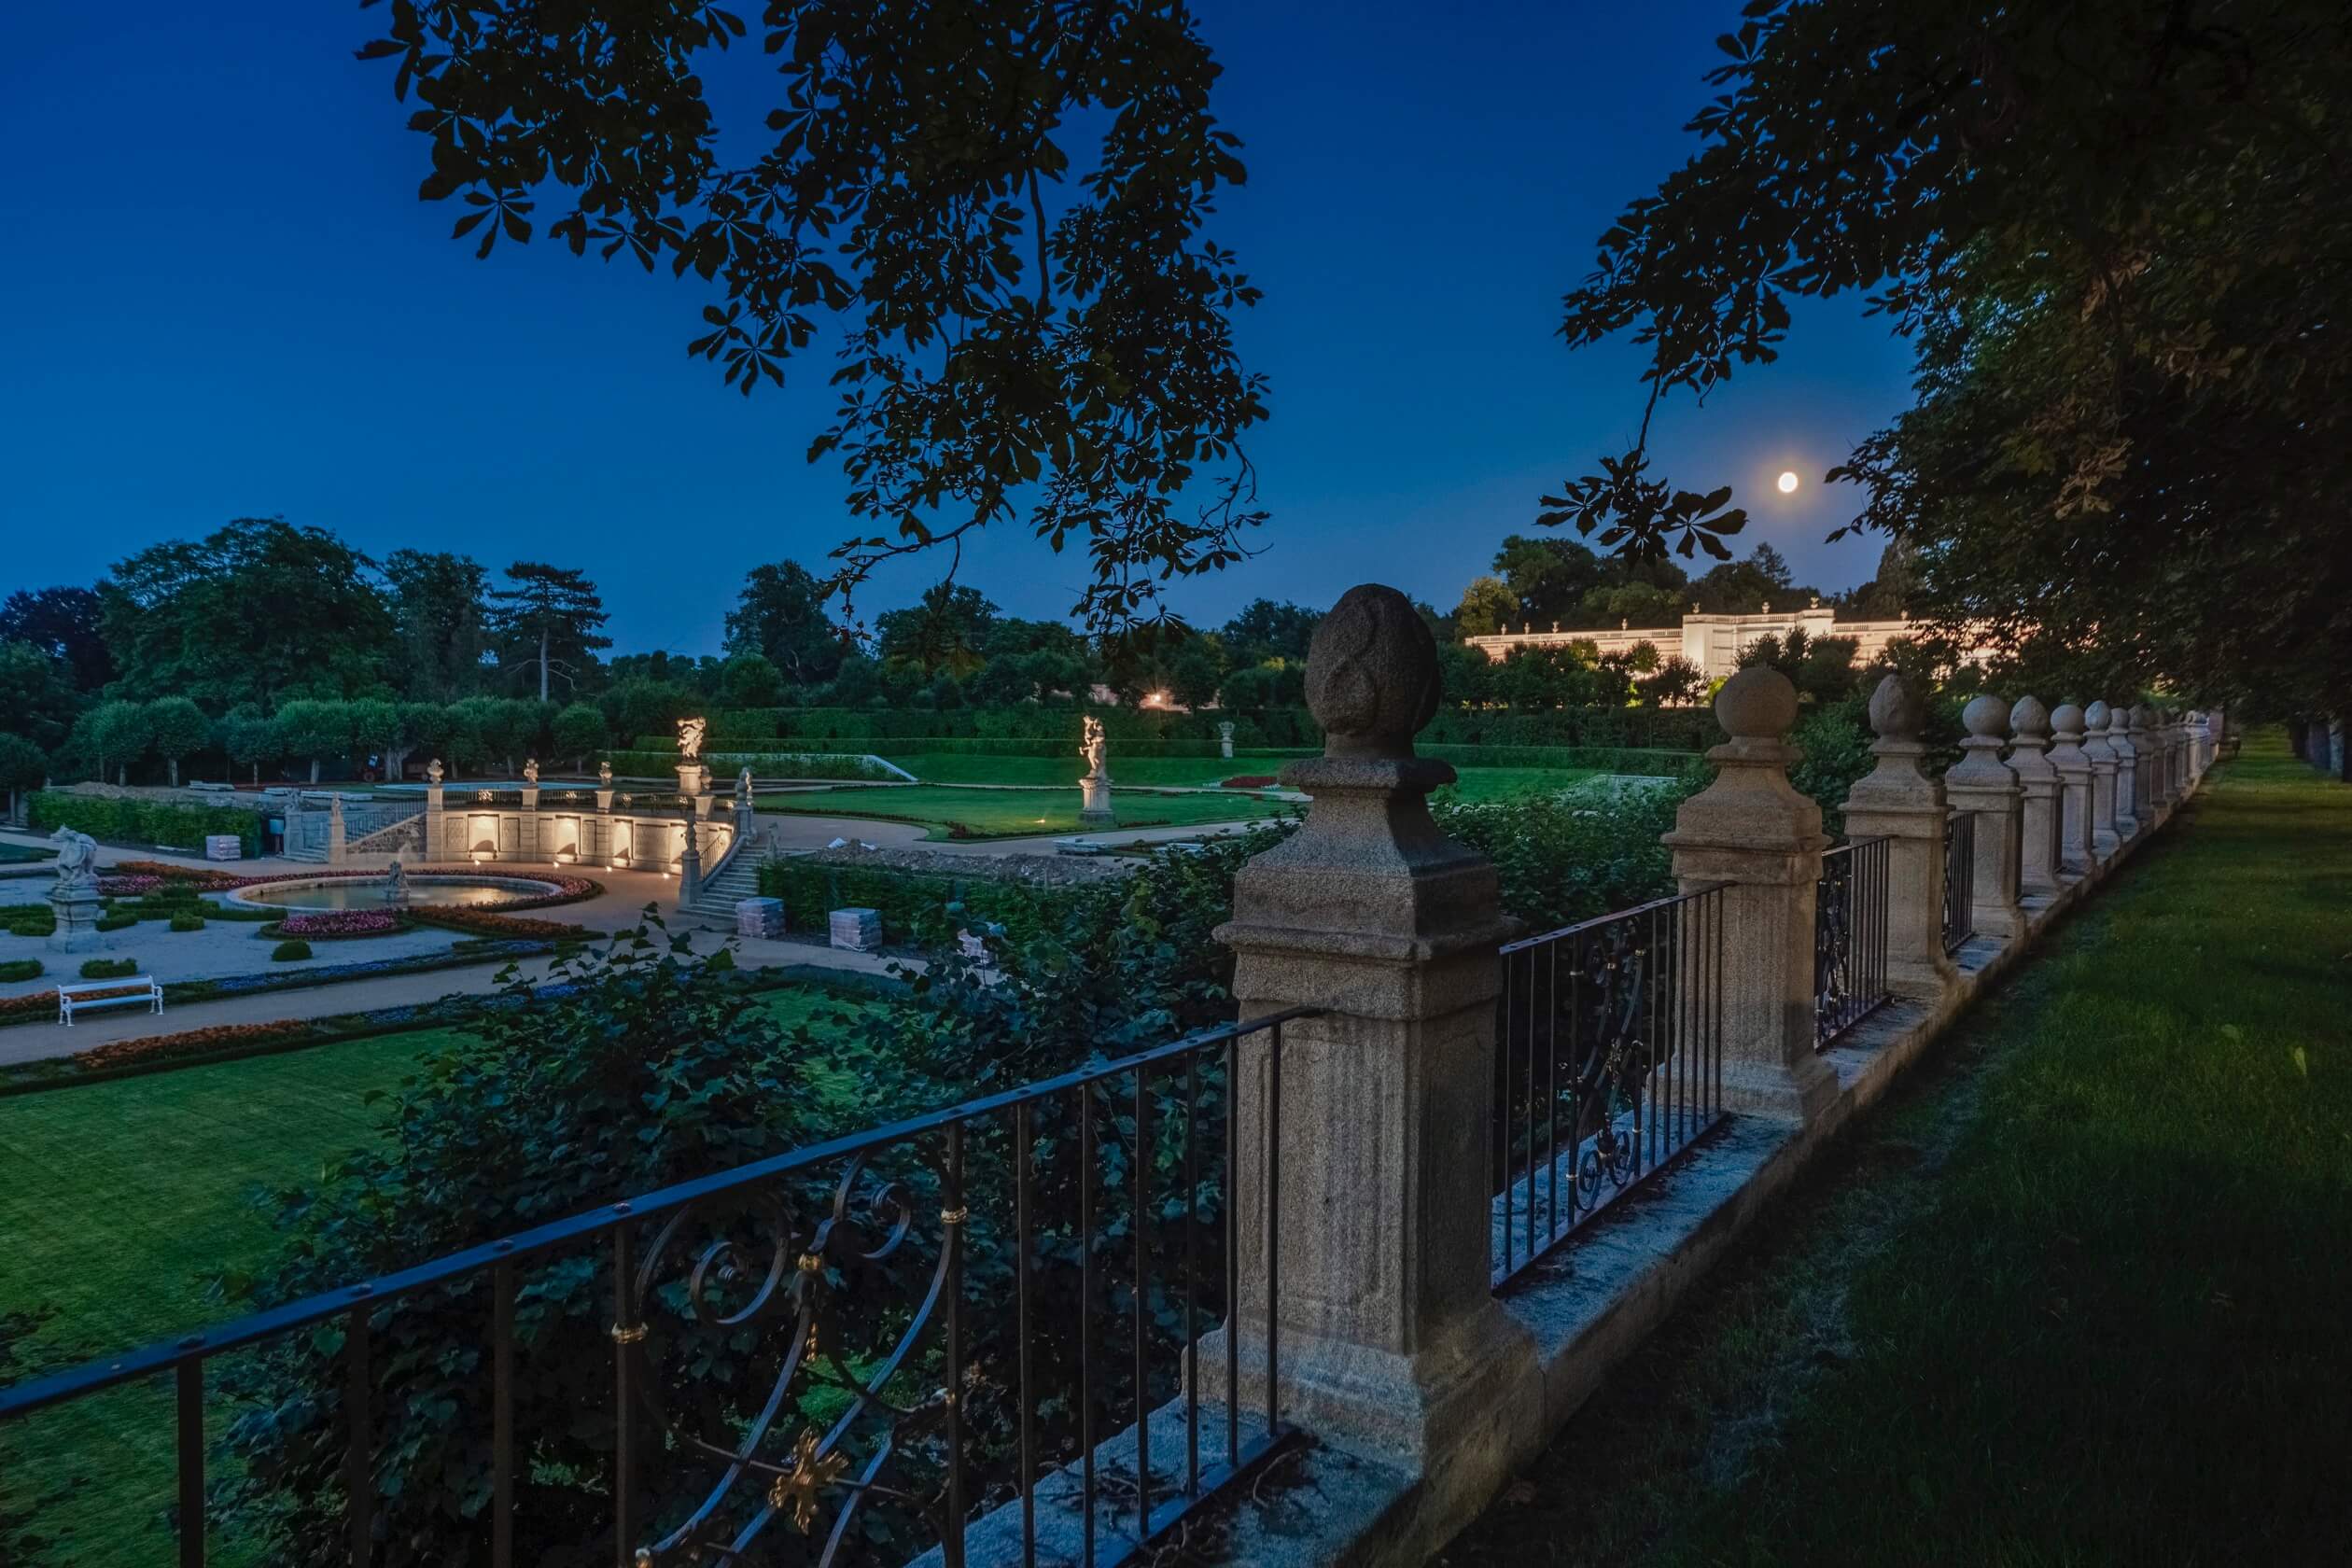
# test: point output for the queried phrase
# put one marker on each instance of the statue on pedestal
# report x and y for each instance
(603, 773)
(73, 898)
(1094, 808)
(689, 737)
(396, 888)
(433, 771)
(743, 790)
(530, 771)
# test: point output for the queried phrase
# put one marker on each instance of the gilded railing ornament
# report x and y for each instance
(813, 1283)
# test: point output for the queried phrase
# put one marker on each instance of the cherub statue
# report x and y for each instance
(1091, 747)
(689, 737)
(433, 771)
(743, 788)
(603, 773)
(530, 771)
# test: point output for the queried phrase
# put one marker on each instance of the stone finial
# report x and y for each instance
(2066, 721)
(1758, 703)
(2029, 719)
(2097, 716)
(1986, 718)
(1372, 674)
(1896, 710)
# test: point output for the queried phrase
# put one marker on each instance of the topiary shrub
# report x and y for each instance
(21, 968)
(115, 922)
(286, 952)
(187, 922)
(108, 969)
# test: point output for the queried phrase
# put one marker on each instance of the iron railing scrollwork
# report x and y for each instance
(831, 1282)
(1849, 937)
(1959, 904)
(1609, 1064)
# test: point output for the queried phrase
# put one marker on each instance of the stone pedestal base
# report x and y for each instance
(1094, 808)
(78, 911)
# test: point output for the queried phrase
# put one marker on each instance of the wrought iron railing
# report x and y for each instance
(1959, 904)
(1610, 1063)
(1849, 938)
(1086, 1212)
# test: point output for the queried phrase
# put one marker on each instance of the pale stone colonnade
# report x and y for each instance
(1426, 1387)
(690, 846)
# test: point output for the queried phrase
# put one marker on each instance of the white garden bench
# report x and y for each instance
(140, 989)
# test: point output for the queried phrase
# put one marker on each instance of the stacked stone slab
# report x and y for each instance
(760, 918)
(857, 931)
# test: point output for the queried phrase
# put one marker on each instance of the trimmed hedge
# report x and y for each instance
(28, 919)
(1280, 726)
(651, 760)
(1645, 729)
(20, 969)
(110, 968)
(1600, 759)
(145, 822)
(286, 952)
(912, 905)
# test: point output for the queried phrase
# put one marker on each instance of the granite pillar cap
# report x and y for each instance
(1986, 718)
(2029, 719)
(2098, 715)
(2067, 718)
(1372, 674)
(1896, 710)
(1758, 703)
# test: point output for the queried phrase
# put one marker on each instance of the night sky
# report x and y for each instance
(222, 298)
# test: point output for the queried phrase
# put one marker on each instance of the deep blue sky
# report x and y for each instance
(220, 297)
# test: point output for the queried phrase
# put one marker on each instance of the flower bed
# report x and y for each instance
(333, 924)
(220, 1037)
(494, 922)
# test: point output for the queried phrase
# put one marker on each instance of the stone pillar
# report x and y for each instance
(2078, 853)
(2127, 771)
(1390, 1341)
(1225, 739)
(2143, 739)
(1751, 829)
(690, 863)
(526, 836)
(1901, 803)
(2038, 852)
(1982, 784)
(2184, 757)
(335, 835)
(2098, 721)
(435, 821)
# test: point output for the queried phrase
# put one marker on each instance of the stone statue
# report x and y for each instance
(76, 856)
(396, 889)
(1094, 808)
(689, 737)
(530, 771)
(743, 790)
(603, 773)
(73, 898)
(433, 771)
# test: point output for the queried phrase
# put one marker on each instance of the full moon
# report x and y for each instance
(1788, 484)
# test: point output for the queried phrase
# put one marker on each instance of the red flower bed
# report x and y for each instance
(128, 886)
(1249, 781)
(192, 1043)
(491, 922)
(32, 1002)
(333, 923)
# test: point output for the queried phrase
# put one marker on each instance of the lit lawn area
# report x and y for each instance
(121, 1200)
(1019, 813)
(952, 767)
(2075, 1297)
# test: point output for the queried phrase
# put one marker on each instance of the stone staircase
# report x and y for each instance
(739, 878)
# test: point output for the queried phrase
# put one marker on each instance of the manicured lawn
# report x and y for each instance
(121, 1199)
(951, 767)
(1006, 813)
(2076, 1298)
